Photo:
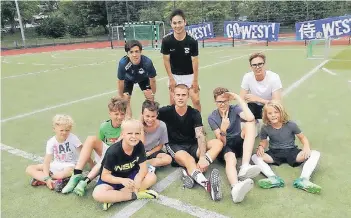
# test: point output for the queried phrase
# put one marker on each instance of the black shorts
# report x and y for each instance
(234, 145)
(256, 110)
(191, 149)
(288, 156)
(129, 85)
(154, 155)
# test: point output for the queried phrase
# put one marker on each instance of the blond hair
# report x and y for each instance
(62, 120)
(284, 117)
(131, 121)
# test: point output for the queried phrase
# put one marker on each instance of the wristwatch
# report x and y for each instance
(223, 133)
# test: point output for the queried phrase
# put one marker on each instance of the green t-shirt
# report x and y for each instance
(108, 134)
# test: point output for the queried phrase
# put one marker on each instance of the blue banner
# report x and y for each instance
(333, 27)
(251, 30)
(200, 31)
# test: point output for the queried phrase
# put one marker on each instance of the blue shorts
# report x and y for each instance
(118, 186)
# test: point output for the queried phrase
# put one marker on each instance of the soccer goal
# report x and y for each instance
(148, 33)
(318, 48)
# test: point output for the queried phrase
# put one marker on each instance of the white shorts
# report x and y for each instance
(57, 166)
(183, 79)
(97, 158)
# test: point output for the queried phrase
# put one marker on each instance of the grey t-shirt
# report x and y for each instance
(215, 120)
(282, 138)
(159, 136)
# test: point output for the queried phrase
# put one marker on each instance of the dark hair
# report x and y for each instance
(150, 105)
(177, 12)
(131, 43)
(256, 55)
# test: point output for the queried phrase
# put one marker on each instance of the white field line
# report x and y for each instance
(57, 69)
(130, 209)
(97, 95)
(328, 71)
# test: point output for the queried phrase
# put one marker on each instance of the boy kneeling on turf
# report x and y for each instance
(124, 175)
(64, 148)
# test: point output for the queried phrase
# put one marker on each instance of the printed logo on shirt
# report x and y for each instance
(62, 152)
(141, 71)
(128, 66)
(172, 49)
(112, 140)
(187, 50)
(127, 166)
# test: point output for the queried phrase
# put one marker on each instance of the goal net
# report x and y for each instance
(318, 48)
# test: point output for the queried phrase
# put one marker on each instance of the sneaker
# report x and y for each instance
(306, 185)
(72, 183)
(151, 168)
(106, 206)
(34, 182)
(249, 171)
(147, 194)
(214, 185)
(271, 182)
(240, 190)
(188, 181)
(81, 188)
(60, 183)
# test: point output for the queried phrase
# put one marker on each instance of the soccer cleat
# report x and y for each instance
(80, 188)
(106, 206)
(188, 181)
(306, 185)
(60, 183)
(214, 185)
(249, 171)
(271, 182)
(34, 182)
(72, 183)
(147, 194)
(240, 190)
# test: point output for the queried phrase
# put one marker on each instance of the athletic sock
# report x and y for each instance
(199, 178)
(310, 165)
(264, 167)
(208, 158)
(75, 172)
(87, 180)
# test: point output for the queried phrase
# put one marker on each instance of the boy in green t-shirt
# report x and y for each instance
(109, 133)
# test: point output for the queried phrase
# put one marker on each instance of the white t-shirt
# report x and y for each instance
(66, 151)
(264, 88)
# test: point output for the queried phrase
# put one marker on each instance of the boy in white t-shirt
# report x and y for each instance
(260, 86)
(64, 149)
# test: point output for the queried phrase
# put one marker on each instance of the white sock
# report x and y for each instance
(310, 165)
(199, 178)
(264, 167)
(208, 158)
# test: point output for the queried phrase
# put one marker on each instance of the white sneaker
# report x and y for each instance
(249, 171)
(151, 168)
(240, 190)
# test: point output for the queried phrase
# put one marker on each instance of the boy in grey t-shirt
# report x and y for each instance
(155, 136)
(282, 149)
(225, 123)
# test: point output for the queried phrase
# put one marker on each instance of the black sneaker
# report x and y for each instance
(60, 184)
(188, 181)
(214, 185)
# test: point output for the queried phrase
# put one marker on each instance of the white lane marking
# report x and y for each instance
(328, 71)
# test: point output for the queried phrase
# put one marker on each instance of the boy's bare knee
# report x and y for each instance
(230, 158)
(215, 143)
(168, 159)
(98, 194)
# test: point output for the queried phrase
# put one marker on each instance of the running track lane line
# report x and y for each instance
(99, 95)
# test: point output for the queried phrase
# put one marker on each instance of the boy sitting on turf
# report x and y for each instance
(282, 149)
(108, 134)
(156, 136)
(124, 175)
(63, 148)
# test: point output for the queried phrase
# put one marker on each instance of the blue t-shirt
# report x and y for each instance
(136, 73)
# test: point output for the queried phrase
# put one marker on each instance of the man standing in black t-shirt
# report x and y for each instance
(187, 143)
(124, 175)
(180, 57)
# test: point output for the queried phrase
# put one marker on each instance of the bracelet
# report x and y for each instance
(46, 178)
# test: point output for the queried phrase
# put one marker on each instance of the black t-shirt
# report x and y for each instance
(180, 53)
(181, 129)
(121, 164)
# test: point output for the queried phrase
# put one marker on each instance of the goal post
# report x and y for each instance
(318, 48)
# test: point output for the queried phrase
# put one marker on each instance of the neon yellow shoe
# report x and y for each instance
(147, 194)
(72, 183)
(106, 206)
(271, 182)
(306, 185)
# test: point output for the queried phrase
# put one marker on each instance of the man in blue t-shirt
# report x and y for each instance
(135, 68)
